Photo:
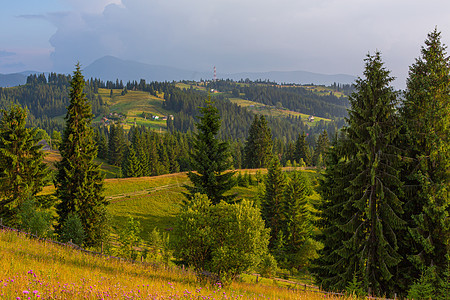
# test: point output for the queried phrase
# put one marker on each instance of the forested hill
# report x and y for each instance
(293, 97)
(46, 98)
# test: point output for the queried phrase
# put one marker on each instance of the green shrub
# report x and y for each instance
(32, 220)
(223, 240)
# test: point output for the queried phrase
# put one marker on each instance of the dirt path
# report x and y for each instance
(115, 198)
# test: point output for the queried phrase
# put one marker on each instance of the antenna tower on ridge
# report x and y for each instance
(215, 76)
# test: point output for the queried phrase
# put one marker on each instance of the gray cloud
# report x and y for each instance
(6, 53)
(327, 36)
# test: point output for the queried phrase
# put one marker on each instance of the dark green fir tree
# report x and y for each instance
(79, 182)
(131, 166)
(258, 148)
(22, 170)
(300, 246)
(426, 114)
(117, 145)
(370, 218)
(331, 268)
(273, 204)
(323, 144)
(302, 151)
(210, 159)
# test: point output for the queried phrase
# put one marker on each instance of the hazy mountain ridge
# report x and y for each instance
(14, 79)
(112, 68)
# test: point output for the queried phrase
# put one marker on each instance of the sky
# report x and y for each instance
(322, 36)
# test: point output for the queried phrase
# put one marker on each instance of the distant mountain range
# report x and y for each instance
(112, 68)
(15, 79)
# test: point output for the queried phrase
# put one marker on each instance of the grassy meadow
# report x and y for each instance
(133, 104)
(32, 269)
(155, 201)
(262, 109)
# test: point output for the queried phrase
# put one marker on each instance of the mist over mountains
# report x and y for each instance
(112, 68)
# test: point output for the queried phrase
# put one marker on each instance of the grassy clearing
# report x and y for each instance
(31, 269)
(133, 104)
(259, 108)
(155, 201)
(194, 86)
(323, 90)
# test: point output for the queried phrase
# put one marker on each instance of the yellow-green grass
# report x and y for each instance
(259, 108)
(53, 156)
(133, 104)
(31, 269)
(186, 86)
(155, 201)
(323, 90)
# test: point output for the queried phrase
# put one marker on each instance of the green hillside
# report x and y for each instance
(133, 104)
(259, 108)
(33, 269)
(155, 201)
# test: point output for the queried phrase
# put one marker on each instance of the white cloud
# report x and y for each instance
(326, 36)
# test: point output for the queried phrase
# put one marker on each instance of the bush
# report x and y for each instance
(223, 239)
(32, 220)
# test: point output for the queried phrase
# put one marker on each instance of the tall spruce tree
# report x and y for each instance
(22, 170)
(332, 269)
(79, 182)
(323, 144)
(302, 151)
(426, 114)
(210, 159)
(300, 247)
(117, 145)
(273, 205)
(258, 148)
(369, 249)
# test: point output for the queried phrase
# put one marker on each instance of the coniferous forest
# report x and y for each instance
(380, 227)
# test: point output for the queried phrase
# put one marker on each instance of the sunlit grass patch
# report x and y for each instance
(30, 269)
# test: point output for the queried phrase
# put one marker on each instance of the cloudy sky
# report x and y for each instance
(324, 36)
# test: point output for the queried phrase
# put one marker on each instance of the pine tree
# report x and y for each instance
(258, 148)
(117, 145)
(300, 247)
(79, 182)
(22, 170)
(426, 114)
(273, 204)
(332, 268)
(210, 159)
(302, 151)
(373, 210)
(373, 130)
(323, 144)
(131, 166)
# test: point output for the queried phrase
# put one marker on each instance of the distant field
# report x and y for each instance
(322, 90)
(182, 85)
(259, 108)
(133, 104)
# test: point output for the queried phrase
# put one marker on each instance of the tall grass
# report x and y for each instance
(31, 269)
